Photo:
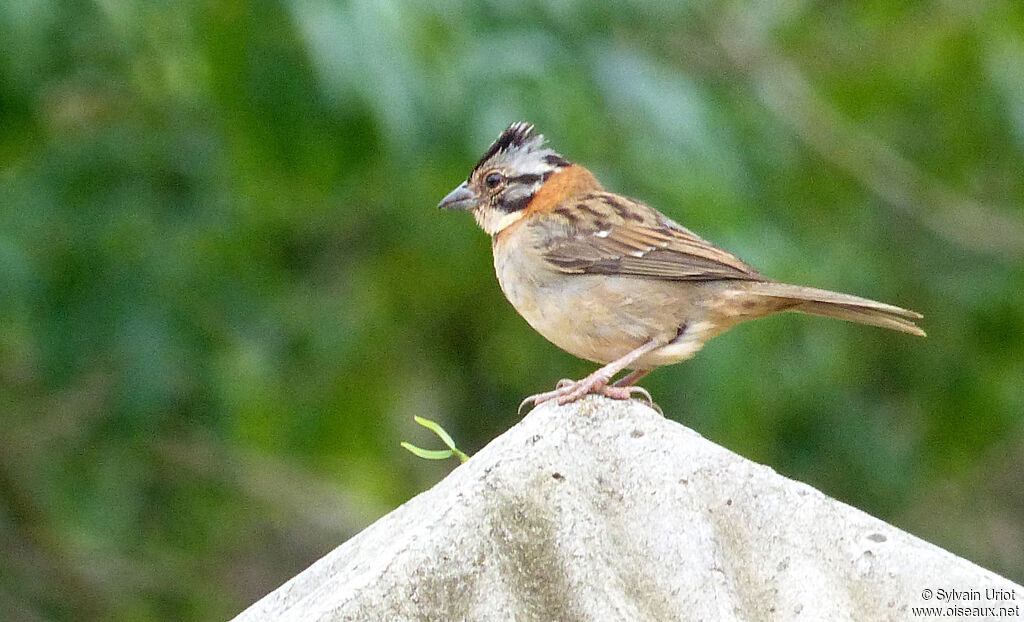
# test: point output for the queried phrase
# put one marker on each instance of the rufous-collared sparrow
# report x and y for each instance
(614, 281)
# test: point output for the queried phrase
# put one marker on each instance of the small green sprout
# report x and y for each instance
(435, 454)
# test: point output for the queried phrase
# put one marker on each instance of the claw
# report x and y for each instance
(644, 392)
(646, 396)
(569, 391)
(540, 398)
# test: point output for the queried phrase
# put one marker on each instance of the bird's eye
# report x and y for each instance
(494, 179)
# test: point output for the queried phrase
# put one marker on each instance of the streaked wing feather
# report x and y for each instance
(653, 248)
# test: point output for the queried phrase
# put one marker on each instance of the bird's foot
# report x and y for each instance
(571, 390)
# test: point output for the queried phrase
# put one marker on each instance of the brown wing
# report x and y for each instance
(609, 234)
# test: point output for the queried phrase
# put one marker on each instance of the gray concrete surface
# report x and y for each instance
(604, 510)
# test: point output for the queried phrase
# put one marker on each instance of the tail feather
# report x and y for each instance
(842, 306)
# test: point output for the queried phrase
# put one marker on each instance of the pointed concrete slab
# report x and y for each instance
(604, 510)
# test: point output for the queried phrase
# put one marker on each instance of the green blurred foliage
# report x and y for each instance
(227, 290)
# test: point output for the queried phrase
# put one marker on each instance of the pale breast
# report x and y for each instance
(595, 317)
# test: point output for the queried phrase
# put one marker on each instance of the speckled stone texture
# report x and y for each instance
(604, 510)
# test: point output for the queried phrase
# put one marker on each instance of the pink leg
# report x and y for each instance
(631, 378)
(568, 391)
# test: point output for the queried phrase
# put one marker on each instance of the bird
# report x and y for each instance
(609, 279)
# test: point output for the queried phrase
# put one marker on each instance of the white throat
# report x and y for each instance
(493, 221)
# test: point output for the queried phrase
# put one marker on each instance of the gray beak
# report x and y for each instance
(462, 198)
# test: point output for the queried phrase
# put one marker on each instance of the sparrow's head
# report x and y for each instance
(506, 179)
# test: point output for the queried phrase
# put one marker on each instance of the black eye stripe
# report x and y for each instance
(525, 179)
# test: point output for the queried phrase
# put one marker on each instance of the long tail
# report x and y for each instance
(841, 306)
